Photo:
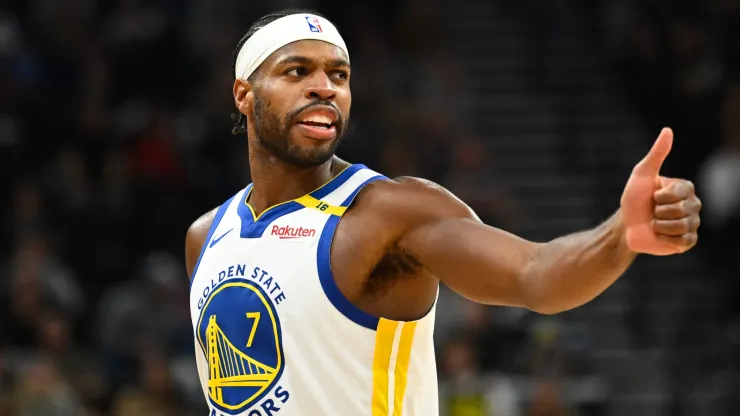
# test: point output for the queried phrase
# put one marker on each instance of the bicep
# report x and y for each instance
(481, 263)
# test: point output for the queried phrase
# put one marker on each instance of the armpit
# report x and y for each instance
(396, 263)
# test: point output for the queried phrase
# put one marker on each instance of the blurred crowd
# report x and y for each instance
(680, 63)
(115, 135)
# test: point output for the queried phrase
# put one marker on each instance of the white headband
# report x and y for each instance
(279, 33)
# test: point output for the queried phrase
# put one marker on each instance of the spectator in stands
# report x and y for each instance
(152, 393)
(474, 179)
(467, 390)
(26, 213)
(43, 391)
(719, 183)
(36, 279)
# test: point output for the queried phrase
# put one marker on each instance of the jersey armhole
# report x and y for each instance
(326, 276)
(216, 220)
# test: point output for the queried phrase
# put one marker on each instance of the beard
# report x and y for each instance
(273, 134)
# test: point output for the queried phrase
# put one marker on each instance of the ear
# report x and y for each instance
(243, 96)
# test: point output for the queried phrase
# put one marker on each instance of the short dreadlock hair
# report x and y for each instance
(240, 120)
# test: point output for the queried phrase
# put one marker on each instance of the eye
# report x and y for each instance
(299, 71)
(342, 75)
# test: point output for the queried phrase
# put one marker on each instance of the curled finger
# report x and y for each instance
(681, 243)
(673, 227)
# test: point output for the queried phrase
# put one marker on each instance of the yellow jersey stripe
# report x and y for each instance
(310, 202)
(402, 366)
(381, 361)
(256, 217)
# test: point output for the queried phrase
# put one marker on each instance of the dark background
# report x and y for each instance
(115, 136)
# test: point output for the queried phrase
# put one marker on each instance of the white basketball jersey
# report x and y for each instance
(275, 336)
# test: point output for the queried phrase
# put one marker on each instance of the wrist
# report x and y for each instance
(618, 231)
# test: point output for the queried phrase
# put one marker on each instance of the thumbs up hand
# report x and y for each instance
(660, 215)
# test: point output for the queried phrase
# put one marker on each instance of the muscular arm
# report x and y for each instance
(195, 239)
(491, 266)
(658, 216)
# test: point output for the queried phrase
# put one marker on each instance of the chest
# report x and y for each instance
(274, 272)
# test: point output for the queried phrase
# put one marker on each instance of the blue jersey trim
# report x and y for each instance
(251, 228)
(354, 193)
(245, 214)
(216, 220)
(326, 277)
(338, 181)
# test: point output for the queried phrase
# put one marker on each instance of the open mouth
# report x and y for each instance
(317, 124)
(318, 120)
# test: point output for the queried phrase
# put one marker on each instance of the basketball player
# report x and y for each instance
(313, 289)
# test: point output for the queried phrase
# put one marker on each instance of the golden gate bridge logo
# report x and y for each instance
(234, 368)
(245, 364)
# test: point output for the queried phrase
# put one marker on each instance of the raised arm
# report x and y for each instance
(657, 216)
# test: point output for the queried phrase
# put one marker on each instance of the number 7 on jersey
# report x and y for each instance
(256, 317)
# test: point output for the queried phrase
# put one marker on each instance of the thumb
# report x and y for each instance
(652, 162)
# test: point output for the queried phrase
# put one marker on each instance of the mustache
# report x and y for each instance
(293, 114)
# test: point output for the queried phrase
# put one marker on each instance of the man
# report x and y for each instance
(313, 289)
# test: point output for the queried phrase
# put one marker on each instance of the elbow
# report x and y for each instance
(543, 304)
(539, 295)
(541, 301)
(552, 302)
(548, 309)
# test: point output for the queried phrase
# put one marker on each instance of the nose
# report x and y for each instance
(321, 88)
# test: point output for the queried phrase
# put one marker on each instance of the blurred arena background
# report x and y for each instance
(115, 135)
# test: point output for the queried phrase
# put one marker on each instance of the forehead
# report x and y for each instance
(315, 50)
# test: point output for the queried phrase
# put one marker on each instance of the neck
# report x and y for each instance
(275, 181)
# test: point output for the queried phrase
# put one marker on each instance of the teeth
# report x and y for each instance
(318, 119)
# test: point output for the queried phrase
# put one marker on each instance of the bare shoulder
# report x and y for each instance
(386, 210)
(413, 201)
(196, 237)
(383, 277)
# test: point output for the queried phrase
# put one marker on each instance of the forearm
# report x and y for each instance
(572, 270)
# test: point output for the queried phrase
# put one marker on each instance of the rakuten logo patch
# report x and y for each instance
(292, 232)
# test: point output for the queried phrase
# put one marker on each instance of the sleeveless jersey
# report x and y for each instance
(275, 336)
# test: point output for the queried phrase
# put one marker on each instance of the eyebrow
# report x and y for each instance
(297, 59)
(339, 62)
